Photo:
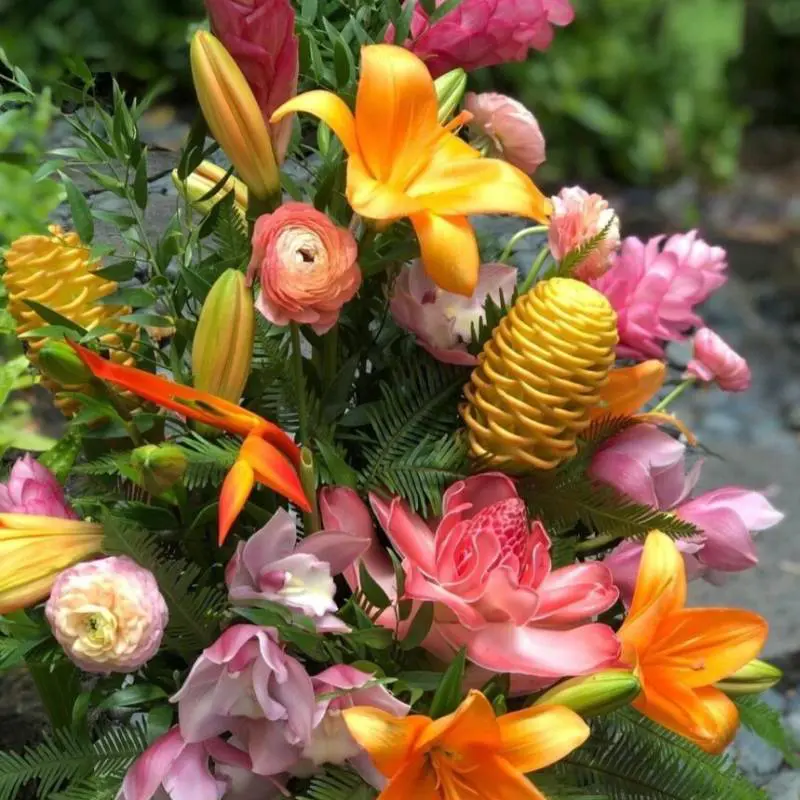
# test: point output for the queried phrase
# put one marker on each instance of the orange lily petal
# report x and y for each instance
(493, 778)
(629, 388)
(660, 591)
(416, 780)
(472, 723)
(375, 200)
(273, 469)
(539, 736)
(332, 110)
(233, 495)
(449, 251)
(700, 646)
(726, 720)
(389, 740)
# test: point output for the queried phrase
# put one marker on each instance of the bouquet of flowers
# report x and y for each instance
(347, 505)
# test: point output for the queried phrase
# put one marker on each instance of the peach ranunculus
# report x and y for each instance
(578, 217)
(508, 128)
(306, 267)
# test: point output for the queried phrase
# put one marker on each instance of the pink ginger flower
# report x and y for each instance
(576, 219)
(443, 321)
(247, 685)
(654, 289)
(259, 34)
(716, 361)
(33, 489)
(272, 566)
(482, 33)
(508, 128)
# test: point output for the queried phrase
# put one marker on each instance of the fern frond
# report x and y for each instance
(765, 722)
(107, 465)
(576, 257)
(207, 461)
(93, 788)
(231, 237)
(338, 784)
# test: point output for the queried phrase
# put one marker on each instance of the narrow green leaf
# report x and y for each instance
(53, 317)
(420, 627)
(449, 694)
(140, 186)
(132, 296)
(308, 10)
(133, 696)
(79, 208)
(121, 271)
(372, 589)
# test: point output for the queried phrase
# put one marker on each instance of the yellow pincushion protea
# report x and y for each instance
(58, 272)
(540, 375)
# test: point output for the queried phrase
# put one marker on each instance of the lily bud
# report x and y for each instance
(158, 467)
(58, 361)
(753, 678)
(450, 89)
(223, 342)
(233, 115)
(595, 694)
(200, 182)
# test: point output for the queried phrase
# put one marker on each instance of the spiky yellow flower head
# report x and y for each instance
(58, 272)
(540, 375)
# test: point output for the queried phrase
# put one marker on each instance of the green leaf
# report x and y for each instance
(766, 723)
(79, 209)
(450, 692)
(140, 186)
(53, 317)
(420, 627)
(132, 296)
(372, 589)
(121, 271)
(58, 686)
(133, 696)
(308, 11)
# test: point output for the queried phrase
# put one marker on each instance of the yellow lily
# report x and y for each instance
(404, 163)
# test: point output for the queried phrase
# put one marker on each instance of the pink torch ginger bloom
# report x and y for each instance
(272, 566)
(247, 685)
(259, 34)
(715, 360)
(33, 489)
(509, 130)
(482, 33)
(443, 321)
(306, 267)
(577, 218)
(108, 615)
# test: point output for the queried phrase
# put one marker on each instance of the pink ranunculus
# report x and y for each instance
(696, 256)
(272, 566)
(508, 128)
(715, 360)
(483, 33)
(576, 219)
(443, 321)
(260, 36)
(247, 685)
(33, 489)
(306, 267)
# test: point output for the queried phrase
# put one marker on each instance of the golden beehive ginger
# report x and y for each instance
(539, 376)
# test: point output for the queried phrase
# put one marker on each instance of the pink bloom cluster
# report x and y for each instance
(482, 33)
(33, 489)
(649, 466)
(715, 361)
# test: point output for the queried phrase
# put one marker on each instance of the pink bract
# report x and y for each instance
(716, 361)
(33, 489)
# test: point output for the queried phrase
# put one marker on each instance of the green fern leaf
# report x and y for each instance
(207, 461)
(576, 257)
(765, 722)
(338, 784)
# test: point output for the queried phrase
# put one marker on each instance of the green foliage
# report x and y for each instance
(765, 722)
(337, 783)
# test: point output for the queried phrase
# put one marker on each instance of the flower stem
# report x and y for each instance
(675, 393)
(518, 237)
(308, 478)
(330, 353)
(534, 271)
(297, 364)
(597, 543)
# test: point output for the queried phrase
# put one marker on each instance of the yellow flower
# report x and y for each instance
(204, 178)
(404, 163)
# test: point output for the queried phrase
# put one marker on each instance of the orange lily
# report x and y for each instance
(679, 653)
(468, 754)
(268, 454)
(404, 163)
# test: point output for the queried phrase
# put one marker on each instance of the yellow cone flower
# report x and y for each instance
(58, 272)
(540, 376)
(35, 549)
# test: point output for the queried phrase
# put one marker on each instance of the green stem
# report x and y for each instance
(297, 364)
(330, 353)
(119, 406)
(534, 271)
(518, 237)
(308, 479)
(675, 394)
(598, 543)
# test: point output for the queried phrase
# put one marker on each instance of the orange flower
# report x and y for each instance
(268, 455)
(678, 653)
(468, 754)
(404, 163)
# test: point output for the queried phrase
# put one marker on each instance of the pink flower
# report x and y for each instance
(482, 33)
(306, 267)
(577, 218)
(508, 128)
(715, 360)
(654, 290)
(33, 489)
(443, 321)
(247, 685)
(259, 34)
(108, 615)
(271, 566)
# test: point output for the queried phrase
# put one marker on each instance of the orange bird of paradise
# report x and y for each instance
(678, 653)
(268, 455)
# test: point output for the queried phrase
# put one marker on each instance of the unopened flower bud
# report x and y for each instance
(158, 467)
(753, 678)
(233, 115)
(58, 361)
(199, 183)
(223, 342)
(450, 89)
(595, 694)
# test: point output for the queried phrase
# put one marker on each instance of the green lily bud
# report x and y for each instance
(753, 678)
(158, 467)
(450, 89)
(222, 349)
(596, 694)
(57, 360)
